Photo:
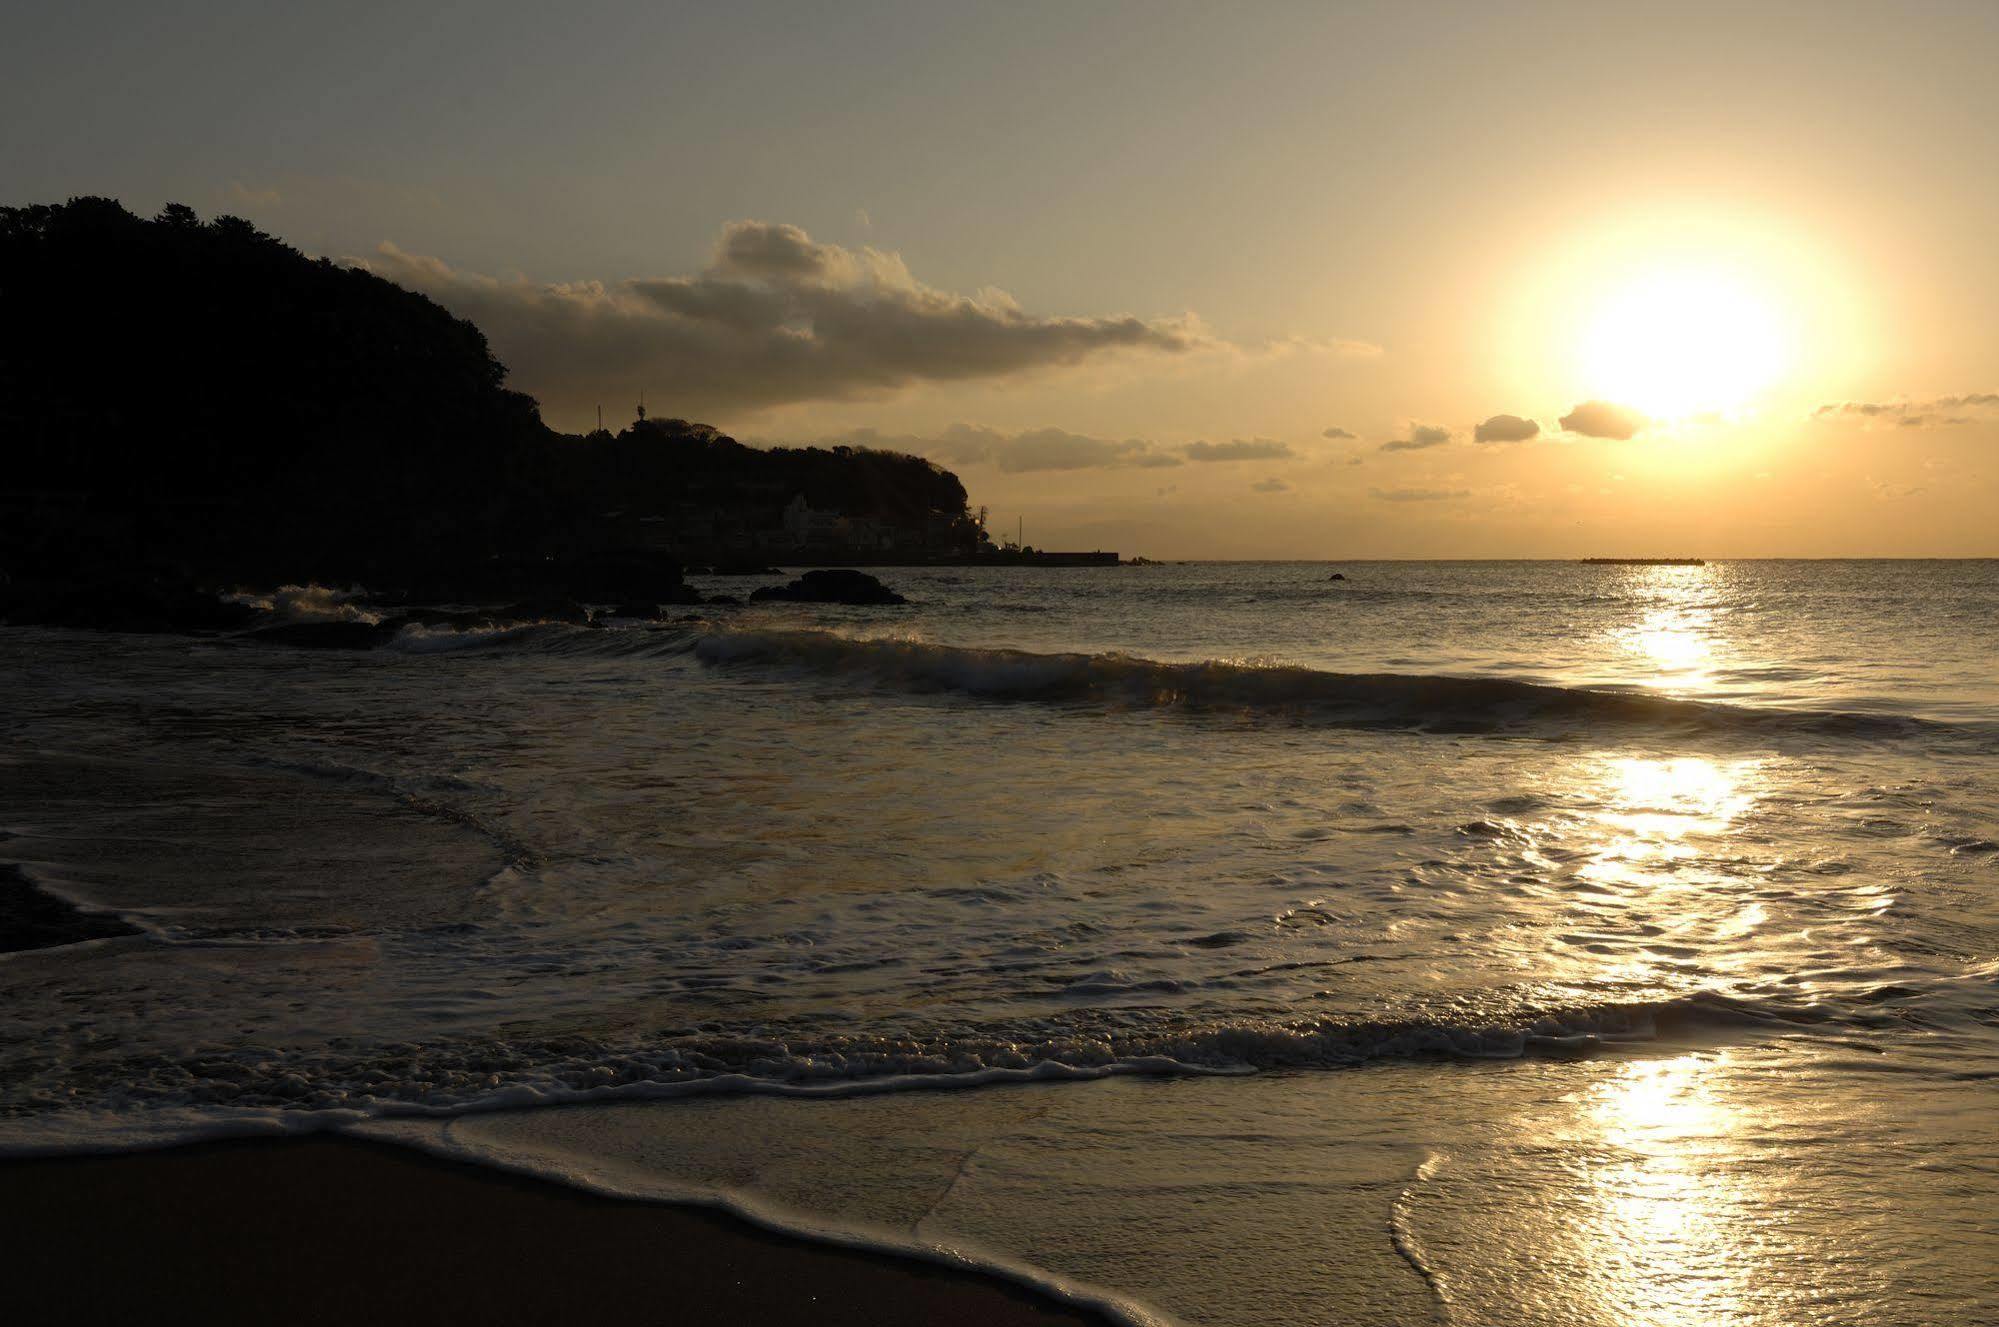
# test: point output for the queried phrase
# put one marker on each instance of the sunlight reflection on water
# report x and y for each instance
(1666, 1242)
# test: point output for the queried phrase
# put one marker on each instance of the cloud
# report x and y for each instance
(1016, 453)
(1242, 449)
(775, 317)
(1335, 347)
(1934, 413)
(1270, 485)
(1603, 419)
(1336, 433)
(1419, 494)
(1420, 436)
(1506, 428)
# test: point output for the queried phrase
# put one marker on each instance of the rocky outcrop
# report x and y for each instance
(111, 605)
(833, 586)
(329, 635)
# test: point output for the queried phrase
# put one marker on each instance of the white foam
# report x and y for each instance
(605, 1178)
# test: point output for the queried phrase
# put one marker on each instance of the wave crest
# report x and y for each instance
(1416, 702)
(493, 1074)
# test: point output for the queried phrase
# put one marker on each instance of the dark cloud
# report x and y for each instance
(1419, 494)
(1242, 449)
(1935, 413)
(1420, 436)
(1016, 453)
(1506, 428)
(1603, 419)
(1053, 449)
(1270, 485)
(1336, 433)
(775, 251)
(776, 317)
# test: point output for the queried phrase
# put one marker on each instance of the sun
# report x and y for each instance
(1689, 310)
(1683, 339)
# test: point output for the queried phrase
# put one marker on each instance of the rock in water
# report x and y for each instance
(645, 611)
(836, 586)
(544, 610)
(329, 635)
(113, 605)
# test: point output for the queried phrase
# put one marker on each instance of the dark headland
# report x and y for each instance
(193, 406)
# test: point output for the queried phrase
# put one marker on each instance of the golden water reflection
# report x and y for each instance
(1655, 817)
(1667, 1230)
(1674, 640)
(1666, 1244)
(1678, 796)
(1676, 636)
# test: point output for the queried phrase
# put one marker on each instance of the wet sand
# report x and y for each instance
(325, 1230)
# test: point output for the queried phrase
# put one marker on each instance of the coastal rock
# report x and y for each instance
(612, 577)
(600, 578)
(743, 569)
(833, 586)
(544, 610)
(724, 601)
(329, 635)
(120, 606)
(442, 617)
(1336, 576)
(644, 611)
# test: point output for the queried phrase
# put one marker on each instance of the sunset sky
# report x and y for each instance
(1187, 281)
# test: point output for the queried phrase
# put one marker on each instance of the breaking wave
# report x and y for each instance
(1416, 702)
(309, 603)
(486, 1074)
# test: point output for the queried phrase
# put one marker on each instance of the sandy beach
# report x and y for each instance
(331, 1231)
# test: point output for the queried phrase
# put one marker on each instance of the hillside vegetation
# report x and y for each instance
(198, 399)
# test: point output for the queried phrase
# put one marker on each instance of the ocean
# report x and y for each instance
(1472, 943)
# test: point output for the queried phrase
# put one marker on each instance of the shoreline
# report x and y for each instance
(337, 1230)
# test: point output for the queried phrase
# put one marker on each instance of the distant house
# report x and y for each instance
(807, 526)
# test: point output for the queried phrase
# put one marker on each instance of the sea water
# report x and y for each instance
(1460, 942)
